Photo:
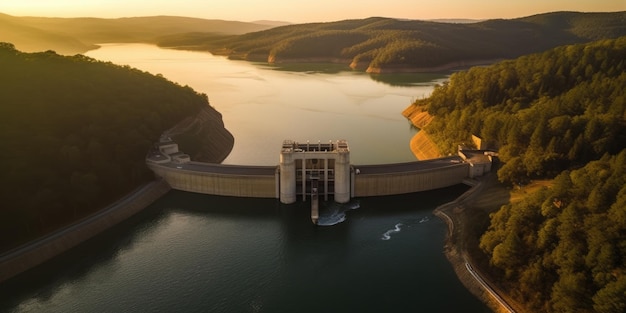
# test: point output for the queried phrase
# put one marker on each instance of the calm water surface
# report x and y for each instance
(201, 253)
(262, 106)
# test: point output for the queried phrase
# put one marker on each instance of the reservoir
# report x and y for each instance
(199, 253)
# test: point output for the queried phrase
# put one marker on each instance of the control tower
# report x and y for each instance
(311, 169)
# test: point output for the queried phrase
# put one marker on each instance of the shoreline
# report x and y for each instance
(450, 66)
(360, 66)
(465, 265)
(422, 147)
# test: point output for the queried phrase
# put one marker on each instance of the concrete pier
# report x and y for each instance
(315, 213)
(287, 176)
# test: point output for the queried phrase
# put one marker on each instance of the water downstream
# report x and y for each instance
(199, 253)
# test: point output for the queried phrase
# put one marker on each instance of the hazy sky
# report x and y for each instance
(299, 11)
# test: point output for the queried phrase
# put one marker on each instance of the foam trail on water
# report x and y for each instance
(335, 213)
(387, 234)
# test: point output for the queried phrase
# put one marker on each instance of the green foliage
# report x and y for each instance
(544, 112)
(388, 43)
(74, 135)
(563, 249)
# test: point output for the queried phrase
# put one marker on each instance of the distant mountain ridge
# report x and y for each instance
(78, 35)
(380, 44)
(375, 44)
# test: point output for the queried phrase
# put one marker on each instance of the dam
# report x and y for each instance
(312, 170)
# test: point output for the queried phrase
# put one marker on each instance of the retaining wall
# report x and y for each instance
(37, 252)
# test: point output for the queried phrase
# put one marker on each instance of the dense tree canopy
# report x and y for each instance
(74, 135)
(564, 249)
(545, 112)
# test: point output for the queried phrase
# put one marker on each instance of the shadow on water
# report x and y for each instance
(200, 204)
(311, 68)
(304, 244)
(42, 281)
(394, 79)
(409, 79)
(426, 200)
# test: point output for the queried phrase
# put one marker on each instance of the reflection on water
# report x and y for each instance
(309, 68)
(262, 104)
(410, 79)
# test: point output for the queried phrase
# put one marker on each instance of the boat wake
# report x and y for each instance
(334, 213)
(387, 234)
(398, 227)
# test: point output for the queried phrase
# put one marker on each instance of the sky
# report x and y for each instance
(302, 11)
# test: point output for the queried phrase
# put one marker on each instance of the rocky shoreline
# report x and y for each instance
(204, 136)
(421, 145)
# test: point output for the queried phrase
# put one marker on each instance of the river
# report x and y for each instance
(199, 253)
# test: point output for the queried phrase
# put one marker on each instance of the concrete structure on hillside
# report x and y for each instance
(312, 170)
(166, 151)
(479, 161)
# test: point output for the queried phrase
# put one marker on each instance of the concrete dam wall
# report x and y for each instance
(222, 180)
(307, 170)
(393, 179)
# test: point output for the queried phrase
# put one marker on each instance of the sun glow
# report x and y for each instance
(317, 11)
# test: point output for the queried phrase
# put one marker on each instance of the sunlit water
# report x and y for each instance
(262, 106)
(200, 253)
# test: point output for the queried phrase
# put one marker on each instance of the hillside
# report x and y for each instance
(77, 35)
(75, 133)
(560, 113)
(544, 112)
(382, 44)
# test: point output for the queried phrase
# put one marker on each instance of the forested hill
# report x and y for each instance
(563, 113)
(544, 112)
(74, 133)
(77, 35)
(384, 44)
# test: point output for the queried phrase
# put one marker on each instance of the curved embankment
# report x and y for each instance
(456, 250)
(421, 145)
(207, 122)
(203, 136)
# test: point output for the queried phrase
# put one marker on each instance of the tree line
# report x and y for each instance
(74, 133)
